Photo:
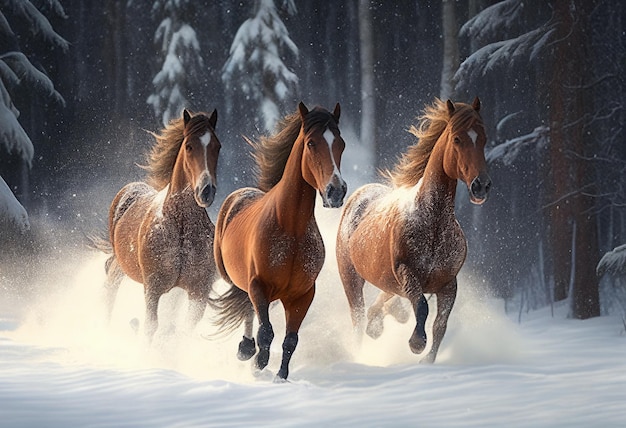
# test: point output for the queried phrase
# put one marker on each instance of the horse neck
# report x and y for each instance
(293, 197)
(179, 183)
(436, 184)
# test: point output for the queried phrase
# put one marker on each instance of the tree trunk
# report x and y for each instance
(368, 100)
(450, 49)
(572, 175)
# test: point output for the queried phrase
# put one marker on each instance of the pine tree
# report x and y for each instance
(255, 65)
(182, 64)
(22, 22)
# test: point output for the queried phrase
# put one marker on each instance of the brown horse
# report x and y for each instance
(405, 239)
(267, 243)
(159, 233)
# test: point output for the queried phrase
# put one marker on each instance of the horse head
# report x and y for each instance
(201, 148)
(321, 159)
(464, 157)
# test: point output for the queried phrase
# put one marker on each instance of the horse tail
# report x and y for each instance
(99, 243)
(232, 309)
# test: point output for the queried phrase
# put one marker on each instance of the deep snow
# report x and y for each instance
(61, 365)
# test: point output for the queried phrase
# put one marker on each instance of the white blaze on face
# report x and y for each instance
(205, 139)
(473, 136)
(330, 138)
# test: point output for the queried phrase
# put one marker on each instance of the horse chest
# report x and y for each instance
(294, 259)
(181, 242)
(434, 248)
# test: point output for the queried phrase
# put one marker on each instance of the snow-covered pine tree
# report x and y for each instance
(18, 76)
(256, 66)
(180, 72)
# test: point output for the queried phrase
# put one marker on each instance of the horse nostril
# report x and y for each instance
(488, 186)
(335, 194)
(208, 193)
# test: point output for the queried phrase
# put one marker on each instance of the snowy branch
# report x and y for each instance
(508, 151)
(613, 262)
(11, 211)
(37, 22)
(25, 70)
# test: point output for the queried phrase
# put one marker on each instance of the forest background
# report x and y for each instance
(80, 82)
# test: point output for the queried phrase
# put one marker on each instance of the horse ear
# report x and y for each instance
(337, 112)
(476, 104)
(303, 110)
(213, 118)
(450, 108)
(186, 117)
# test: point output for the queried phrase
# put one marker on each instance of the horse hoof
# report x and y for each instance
(280, 378)
(262, 359)
(374, 327)
(247, 349)
(134, 324)
(428, 359)
(417, 343)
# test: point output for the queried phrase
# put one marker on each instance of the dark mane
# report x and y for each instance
(271, 152)
(432, 124)
(162, 156)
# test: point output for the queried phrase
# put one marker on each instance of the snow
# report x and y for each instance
(62, 365)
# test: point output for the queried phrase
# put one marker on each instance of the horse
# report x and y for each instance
(404, 237)
(160, 234)
(267, 242)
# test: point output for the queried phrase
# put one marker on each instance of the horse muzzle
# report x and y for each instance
(204, 193)
(333, 195)
(479, 188)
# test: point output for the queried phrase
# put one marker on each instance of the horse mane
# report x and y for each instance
(163, 154)
(271, 152)
(431, 125)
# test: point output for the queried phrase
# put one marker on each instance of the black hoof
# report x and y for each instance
(262, 359)
(247, 349)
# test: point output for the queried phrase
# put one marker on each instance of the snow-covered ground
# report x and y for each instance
(61, 365)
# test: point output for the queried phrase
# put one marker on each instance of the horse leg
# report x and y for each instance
(195, 311)
(353, 287)
(265, 335)
(395, 308)
(295, 311)
(375, 315)
(247, 346)
(115, 275)
(152, 304)
(445, 301)
(418, 339)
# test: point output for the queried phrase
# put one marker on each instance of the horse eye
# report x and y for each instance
(457, 140)
(188, 147)
(310, 143)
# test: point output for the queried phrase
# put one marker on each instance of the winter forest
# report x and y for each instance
(81, 82)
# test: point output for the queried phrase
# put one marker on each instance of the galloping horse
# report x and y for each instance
(159, 233)
(405, 239)
(267, 243)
